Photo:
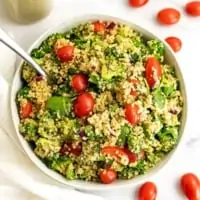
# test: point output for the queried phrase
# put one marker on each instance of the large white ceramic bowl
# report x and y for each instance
(16, 85)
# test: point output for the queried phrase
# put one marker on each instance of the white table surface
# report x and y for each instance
(187, 157)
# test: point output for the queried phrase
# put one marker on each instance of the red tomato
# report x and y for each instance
(69, 147)
(116, 152)
(190, 185)
(84, 104)
(137, 3)
(153, 72)
(175, 43)
(131, 113)
(99, 27)
(65, 53)
(26, 110)
(168, 16)
(131, 156)
(193, 8)
(108, 176)
(148, 191)
(79, 82)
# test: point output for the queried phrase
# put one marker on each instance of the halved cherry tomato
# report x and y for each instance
(26, 110)
(153, 72)
(131, 113)
(131, 156)
(137, 3)
(175, 43)
(193, 8)
(148, 191)
(65, 53)
(190, 185)
(168, 16)
(108, 176)
(116, 152)
(99, 27)
(69, 147)
(79, 82)
(84, 104)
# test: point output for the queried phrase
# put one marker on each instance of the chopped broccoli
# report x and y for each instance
(46, 147)
(70, 172)
(122, 139)
(23, 92)
(28, 128)
(157, 48)
(37, 53)
(108, 74)
(90, 133)
(134, 58)
(168, 131)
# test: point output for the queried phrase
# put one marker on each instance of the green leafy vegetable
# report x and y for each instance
(122, 139)
(159, 98)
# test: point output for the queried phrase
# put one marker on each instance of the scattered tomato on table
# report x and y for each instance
(174, 42)
(137, 3)
(168, 16)
(193, 8)
(148, 191)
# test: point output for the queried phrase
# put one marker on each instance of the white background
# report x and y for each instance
(187, 158)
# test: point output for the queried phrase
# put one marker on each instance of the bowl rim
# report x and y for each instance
(90, 186)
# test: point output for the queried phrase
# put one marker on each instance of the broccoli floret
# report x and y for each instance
(46, 148)
(122, 139)
(156, 48)
(29, 127)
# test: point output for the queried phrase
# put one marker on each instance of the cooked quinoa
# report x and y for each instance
(134, 110)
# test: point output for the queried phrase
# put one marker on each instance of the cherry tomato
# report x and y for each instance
(190, 185)
(137, 3)
(116, 152)
(153, 72)
(175, 43)
(39, 78)
(193, 8)
(168, 16)
(108, 176)
(131, 113)
(99, 27)
(79, 82)
(69, 147)
(26, 110)
(131, 156)
(65, 53)
(84, 104)
(148, 191)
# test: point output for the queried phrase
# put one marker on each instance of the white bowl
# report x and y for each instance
(16, 85)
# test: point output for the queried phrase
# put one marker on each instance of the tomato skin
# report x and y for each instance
(193, 8)
(26, 110)
(107, 176)
(175, 43)
(168, 16)
(153, 71)
(116, 152)
(79, 82)
(131, 156)
(148, 191)
(137, 3)
(83, 104)
(65, 53)
(190, 185)
(99, 27)
(131, 113)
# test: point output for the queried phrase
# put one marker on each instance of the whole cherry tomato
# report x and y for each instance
(148, 191)
(65, 53)
(190, 184)
(193, 8)
(175, 43)
(137, 3)
(26, 110)
(107, 176)
(131, 113)
(153, 72)
(99, 27)
(168, 16)
(79, 82)
(84, 104)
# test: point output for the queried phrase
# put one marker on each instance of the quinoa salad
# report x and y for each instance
(113, 110)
